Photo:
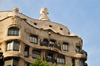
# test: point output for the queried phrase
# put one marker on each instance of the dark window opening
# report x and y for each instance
(49, 57)
(73, 62)
(45, 42)
(52, 43)
(26, 51)
(77, 49)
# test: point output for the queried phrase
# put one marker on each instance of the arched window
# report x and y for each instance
(35, 54)
(13, 45)
(61, 60)
(13, 31)
(26, 51)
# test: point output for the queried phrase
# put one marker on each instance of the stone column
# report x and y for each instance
(43, 56)
(4, 47)
(30, 52)
(77, 62)
(68, 60)
(21, 62)
(21, 48)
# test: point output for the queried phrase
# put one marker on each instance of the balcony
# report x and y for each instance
(50, 44)
(51, 60)
(86, 64)
(84, 52)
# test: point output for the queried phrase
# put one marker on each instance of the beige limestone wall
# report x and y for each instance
(26, 30)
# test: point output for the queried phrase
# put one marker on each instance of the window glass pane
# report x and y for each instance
(15, 62)
(26, 51)
(16, 45)
(13, 31)
(13, 45)
(10, 45)
(35, 54)
(65, 47)
(30, 39)
(81, 62)
(60, 60)
(33, 39)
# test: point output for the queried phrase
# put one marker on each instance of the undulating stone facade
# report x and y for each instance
(23, 39)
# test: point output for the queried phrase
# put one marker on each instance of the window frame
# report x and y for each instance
(13, 61)
(81, 62)
(13, 31)
(49, 57)
(36, 54)
(11, 45)
(60, 60)
(65, 46)
(34, 39)
(26, 51)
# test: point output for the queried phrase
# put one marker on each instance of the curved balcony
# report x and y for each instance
(50, 44)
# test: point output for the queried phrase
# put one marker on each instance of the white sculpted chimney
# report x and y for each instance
(43, 13)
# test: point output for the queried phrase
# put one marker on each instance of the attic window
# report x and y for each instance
(35, 23)
(61, 28)
(50, 25)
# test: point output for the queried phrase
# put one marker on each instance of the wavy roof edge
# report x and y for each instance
(44, 24)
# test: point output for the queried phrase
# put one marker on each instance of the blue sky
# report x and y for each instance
(82, 17)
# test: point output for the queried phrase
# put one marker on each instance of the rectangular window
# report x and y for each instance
(65, 47)
(13, 45)
(34, 39)
(81, 63)
(26, 51)
(35, 54)
(60, 60)
(11, 62)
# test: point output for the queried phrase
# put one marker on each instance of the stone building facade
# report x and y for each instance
(23, 39)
